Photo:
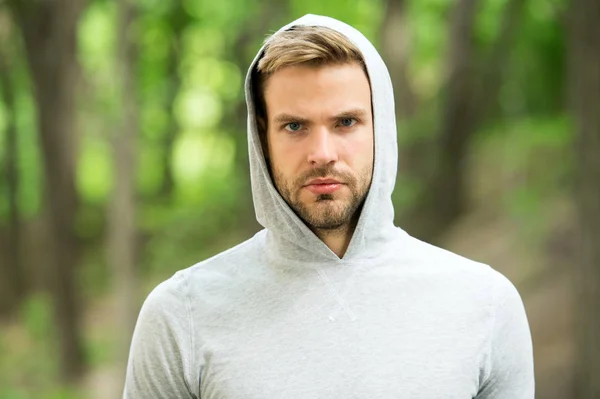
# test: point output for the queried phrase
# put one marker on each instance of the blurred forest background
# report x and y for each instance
(123, 158)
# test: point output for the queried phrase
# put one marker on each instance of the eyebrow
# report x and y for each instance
(357, 113)
(287, 118)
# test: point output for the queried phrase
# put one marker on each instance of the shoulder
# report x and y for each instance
(166, 307)
(206, 284)
(232, 263)
(487, 294)
(480, 282)
(459, 271)
(173, 292)
(445, 260)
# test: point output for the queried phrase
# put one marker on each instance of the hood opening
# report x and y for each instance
(289, 237)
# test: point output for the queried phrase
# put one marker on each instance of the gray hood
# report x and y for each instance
(288, 237)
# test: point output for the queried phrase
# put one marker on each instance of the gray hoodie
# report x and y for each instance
(281, 316)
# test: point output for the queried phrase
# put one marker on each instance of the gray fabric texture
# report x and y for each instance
(281, 316)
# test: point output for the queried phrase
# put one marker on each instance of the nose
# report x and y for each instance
(322, 149)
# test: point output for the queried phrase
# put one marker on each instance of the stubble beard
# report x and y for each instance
(328, 212)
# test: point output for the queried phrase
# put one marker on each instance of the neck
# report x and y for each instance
(337, 239)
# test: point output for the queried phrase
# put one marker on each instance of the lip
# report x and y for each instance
(323, 181)
(323, 186)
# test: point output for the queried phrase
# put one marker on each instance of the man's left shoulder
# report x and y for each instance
(457, 267)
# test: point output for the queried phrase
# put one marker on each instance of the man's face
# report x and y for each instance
(320, 141)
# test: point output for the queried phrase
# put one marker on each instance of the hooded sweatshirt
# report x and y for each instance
(282, 316)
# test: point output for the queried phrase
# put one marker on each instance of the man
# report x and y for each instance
(330, 300)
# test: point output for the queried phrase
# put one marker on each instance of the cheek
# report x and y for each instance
(283, 157)
(359, 151)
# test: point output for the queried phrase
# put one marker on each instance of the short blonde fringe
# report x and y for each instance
(312, 45)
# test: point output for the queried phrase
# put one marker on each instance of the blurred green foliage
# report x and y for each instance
(529, 135)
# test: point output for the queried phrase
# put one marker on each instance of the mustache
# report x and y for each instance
(323, 172)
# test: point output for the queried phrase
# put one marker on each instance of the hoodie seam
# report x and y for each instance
(488, 364)
(348, 285)
(191, 352)
(335, 295)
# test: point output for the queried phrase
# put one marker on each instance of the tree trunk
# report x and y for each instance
(585, 86)
(457, 121)
(470, 96)
(491, 77)
(443, 198)
(170, 135)
(122, 233)
(49, 30)
(395, 47)
(415, 148)
(12, 281)
(178, 20)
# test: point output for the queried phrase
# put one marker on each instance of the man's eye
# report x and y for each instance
(293, 126)
(347, 122)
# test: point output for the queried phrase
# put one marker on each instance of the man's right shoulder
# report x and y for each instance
(218, 271)
(229, 261)
(162, 360)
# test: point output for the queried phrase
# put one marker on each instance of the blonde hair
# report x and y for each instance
(308, 45)
(302, 45)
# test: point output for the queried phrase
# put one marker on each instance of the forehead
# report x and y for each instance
(307, 89)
